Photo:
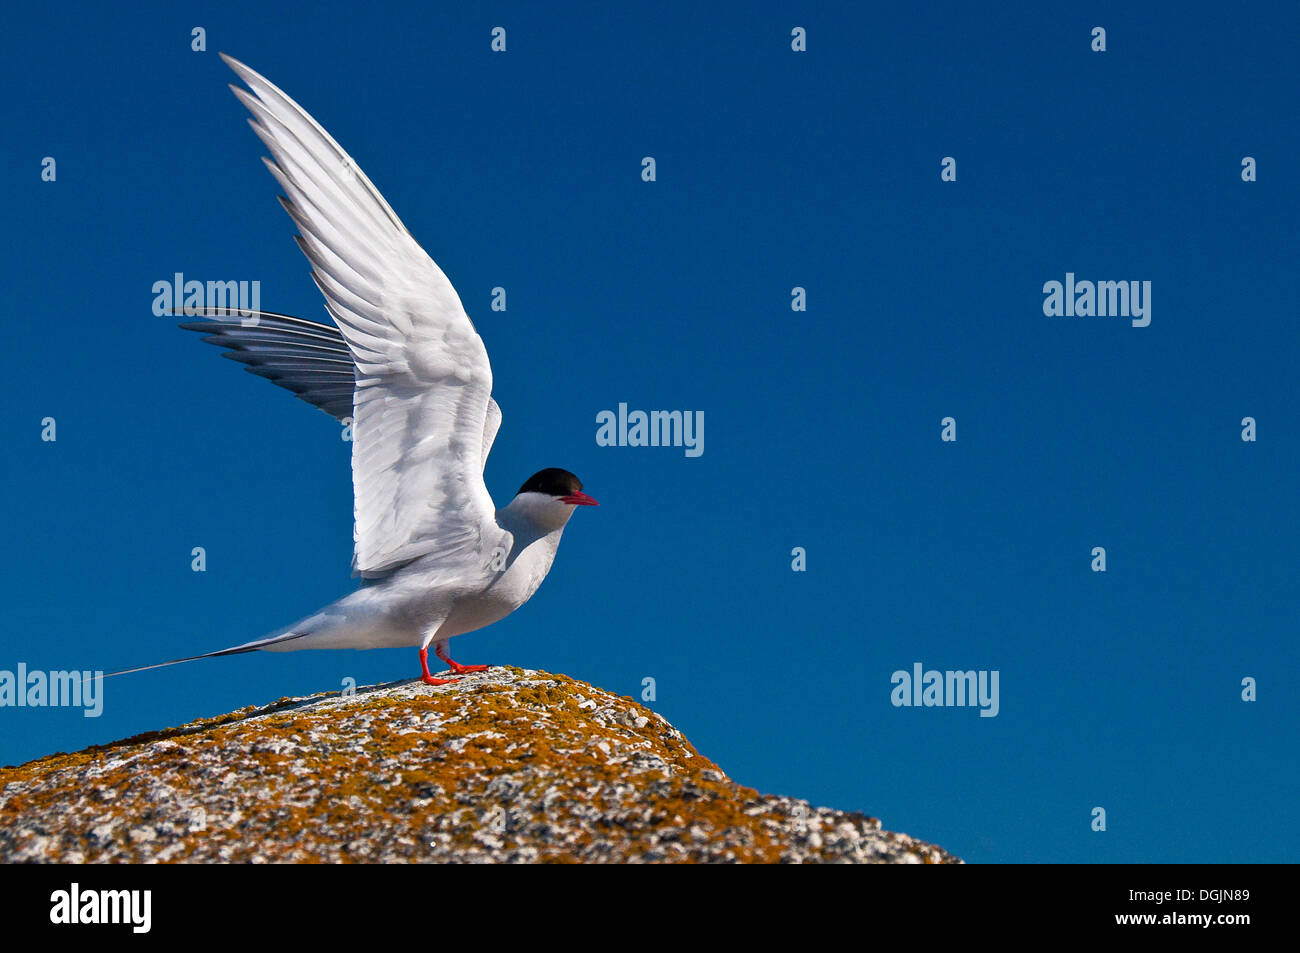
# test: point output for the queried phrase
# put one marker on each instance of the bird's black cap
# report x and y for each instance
(552, 481)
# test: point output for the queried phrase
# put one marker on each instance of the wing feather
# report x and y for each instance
(311, 360)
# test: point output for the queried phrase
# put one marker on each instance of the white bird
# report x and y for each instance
(406, 364)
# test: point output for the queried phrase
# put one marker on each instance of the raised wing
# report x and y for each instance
(423, 381)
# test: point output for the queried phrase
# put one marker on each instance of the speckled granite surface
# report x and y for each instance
(509, 765)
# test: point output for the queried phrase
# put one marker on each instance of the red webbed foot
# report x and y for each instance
(456, 667)
(428, 678)
(459, 669)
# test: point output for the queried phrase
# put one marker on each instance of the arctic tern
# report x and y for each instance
(404, 361)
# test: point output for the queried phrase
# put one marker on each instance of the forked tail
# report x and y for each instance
(259, 645)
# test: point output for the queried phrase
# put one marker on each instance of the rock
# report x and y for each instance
(506, 766)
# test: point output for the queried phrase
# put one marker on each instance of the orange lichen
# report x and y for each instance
(511, 764)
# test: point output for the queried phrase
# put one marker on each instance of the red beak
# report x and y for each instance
(578, 499)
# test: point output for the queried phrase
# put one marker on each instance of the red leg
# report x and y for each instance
(457, 669)
(426, 677)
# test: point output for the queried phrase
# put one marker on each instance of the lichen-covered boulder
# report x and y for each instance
(509, 765)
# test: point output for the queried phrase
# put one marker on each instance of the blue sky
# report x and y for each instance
(775, 169)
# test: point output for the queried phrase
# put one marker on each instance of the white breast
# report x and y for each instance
(521, 578)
